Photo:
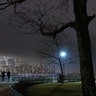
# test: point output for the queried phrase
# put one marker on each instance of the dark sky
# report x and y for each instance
(14, 43)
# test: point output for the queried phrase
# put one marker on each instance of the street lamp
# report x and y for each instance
(62, 55)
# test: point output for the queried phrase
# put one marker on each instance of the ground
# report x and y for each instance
(56, 89)
(4, 89)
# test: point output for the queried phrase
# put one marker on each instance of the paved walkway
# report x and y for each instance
(4, 91)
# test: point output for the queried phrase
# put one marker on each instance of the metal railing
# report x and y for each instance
(35, 77)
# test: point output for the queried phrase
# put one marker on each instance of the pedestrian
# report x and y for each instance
(8, 75)
(3, 75)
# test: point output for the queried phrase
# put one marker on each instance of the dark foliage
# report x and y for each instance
(23, 85)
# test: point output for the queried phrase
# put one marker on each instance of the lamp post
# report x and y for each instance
(62, 54)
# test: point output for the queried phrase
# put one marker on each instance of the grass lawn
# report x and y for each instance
(56, 89)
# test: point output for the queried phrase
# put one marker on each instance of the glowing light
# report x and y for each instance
(62, 54)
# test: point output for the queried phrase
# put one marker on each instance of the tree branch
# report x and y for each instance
(6, 4)
(45, 54)
(70, 24)
(91, 18)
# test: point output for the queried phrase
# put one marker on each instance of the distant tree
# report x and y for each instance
(51, 48)
(43, 22)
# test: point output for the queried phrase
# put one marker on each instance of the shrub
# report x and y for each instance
(22, 85)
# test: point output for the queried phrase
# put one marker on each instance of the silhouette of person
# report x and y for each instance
(8, 74)
(3, 75)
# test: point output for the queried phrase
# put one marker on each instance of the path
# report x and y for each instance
(4, 91)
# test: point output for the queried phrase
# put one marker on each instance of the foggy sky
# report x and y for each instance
(14, 43)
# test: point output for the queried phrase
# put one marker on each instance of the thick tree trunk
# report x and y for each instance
(86, 66)
(84, 46)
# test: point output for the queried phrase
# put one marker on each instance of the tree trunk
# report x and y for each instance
(61, 75)
(86, 66)
(84, 46)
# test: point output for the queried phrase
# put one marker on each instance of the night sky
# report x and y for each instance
(14, 43)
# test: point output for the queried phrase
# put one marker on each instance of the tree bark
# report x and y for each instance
(84, 46)
(86, 66)
(61, 75)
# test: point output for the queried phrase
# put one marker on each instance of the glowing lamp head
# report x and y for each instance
(62, 54)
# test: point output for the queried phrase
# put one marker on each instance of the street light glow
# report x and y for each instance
(62, 54)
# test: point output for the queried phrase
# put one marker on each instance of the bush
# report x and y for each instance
(22, 86)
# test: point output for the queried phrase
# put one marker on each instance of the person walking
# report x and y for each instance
(8, 75)
(3, 75)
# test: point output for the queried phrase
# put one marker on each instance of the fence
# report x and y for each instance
(46, 77)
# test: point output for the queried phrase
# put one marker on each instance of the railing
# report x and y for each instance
(36, 77)
(14, 92)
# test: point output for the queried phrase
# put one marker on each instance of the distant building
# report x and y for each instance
(43, 69)
(22, 67)
(7, 63)
(19, 66)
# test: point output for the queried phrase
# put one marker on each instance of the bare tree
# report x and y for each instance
(42, 23)
(51, 49)
(7, 3)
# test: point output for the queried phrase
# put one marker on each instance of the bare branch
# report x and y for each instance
(56, 31)
(45, 54)
(4, 5)
(91, 18)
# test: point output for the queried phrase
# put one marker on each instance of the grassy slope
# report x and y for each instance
(56, 89)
